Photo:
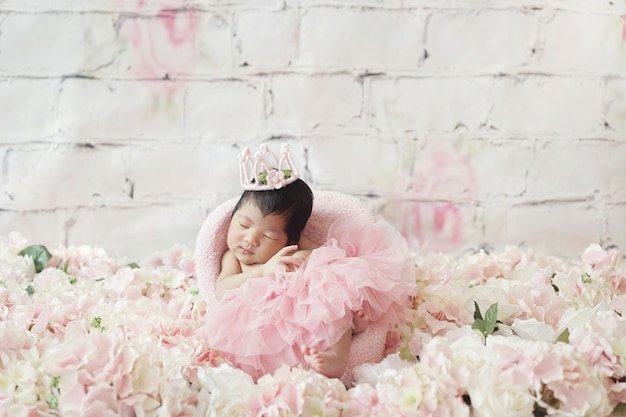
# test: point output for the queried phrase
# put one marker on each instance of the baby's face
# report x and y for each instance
(254, 238)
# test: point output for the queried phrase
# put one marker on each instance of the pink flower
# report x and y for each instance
(296, 391)
(84, 261)
(362, 401)
(275, 179)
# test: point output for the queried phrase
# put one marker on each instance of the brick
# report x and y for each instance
(310, 101)
(52, 177)
(141, 6)
(364, 38)
(554, 229)
(138, 231)
(72, 5)
(230, 109)
(583, 42)
(48, 43)
(491, 225)
(354, 165)
(45, 227)
(4, 198)
(174, 172)
(428, 104)
(577, 170)
(499, 168)
(616, 226)
(615, 105)
(118, 110)
(266, 39)
(26, 109)
(173, 45)
(547, 105)
(465, 40)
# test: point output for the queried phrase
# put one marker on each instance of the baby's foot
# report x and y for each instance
(330, 363)
(361, 321)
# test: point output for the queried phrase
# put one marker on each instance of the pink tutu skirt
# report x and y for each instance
(262, 325)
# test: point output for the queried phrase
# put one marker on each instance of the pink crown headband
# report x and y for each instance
(267, 171)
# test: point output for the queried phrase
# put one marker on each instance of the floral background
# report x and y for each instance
(509, 333)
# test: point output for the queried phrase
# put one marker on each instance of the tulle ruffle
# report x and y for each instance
(262, 325)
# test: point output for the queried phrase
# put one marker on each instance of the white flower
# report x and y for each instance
(226, 392)
(491, 396)
(532, 329)
(16, 271)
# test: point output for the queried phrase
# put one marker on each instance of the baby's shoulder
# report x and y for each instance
(306, 244)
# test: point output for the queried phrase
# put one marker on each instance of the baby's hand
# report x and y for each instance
(283, 257)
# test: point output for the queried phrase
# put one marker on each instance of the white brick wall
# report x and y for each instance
(465, 124)
(98, 110)
(27, 108)
(307, 102)
(354, 38)
(429, 104)
(480, 41)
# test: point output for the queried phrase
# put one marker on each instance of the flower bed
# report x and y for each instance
(510, 333)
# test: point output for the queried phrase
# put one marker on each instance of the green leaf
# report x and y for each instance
(479, 324)
(133, 265)
(477, 315)
(564, 336)
(491, 318)
(39, 254)
(488, 324)
(30, 290)
(556, 289)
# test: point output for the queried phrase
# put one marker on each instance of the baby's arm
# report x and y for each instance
(233, 274)
(230, 275)
(306, 246)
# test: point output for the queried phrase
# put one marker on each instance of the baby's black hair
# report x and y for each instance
(293, 202)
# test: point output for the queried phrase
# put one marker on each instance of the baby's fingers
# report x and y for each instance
(291, 264)
(288, 250)
(292, 261)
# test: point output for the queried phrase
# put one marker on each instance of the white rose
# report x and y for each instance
(231, 391)
(492, 397)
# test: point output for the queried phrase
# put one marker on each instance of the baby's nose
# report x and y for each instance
(252, 238)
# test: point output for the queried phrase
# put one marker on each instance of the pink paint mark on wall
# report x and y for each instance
(432, 206)
(165, 44)
(624, 28)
